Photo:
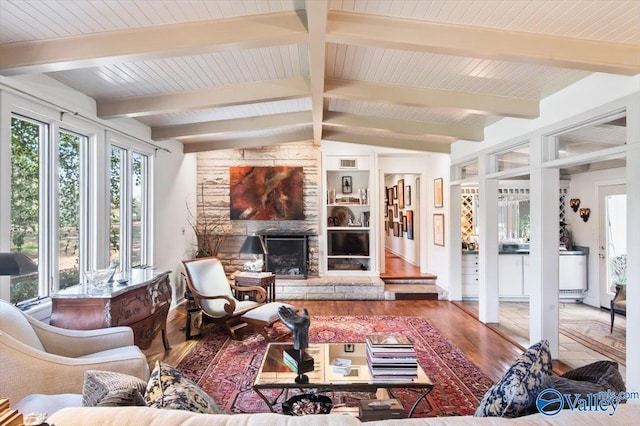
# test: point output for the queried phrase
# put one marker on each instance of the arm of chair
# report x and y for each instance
(74, 343)
(260, 295)
(26, 370)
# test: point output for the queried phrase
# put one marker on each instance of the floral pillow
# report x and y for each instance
(170, 388)
(515, 394)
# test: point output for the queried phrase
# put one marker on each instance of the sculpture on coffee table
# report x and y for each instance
(299, 326)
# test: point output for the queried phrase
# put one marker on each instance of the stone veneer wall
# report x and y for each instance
(213, 172)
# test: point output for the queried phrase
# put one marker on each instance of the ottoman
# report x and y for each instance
(263, 317)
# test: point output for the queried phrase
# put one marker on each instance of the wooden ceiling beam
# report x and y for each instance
(474, 103)
(393, 143)
(482, 42)
(457, 132)
(247, 124)
(317, 23)
(236, 94)
(153, 42)
(303, 135)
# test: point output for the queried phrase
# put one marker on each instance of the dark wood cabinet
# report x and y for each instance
(142, 304)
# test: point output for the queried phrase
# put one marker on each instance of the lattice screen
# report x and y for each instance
(466, 211)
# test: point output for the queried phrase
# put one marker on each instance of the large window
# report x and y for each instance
(129, 208)
(27, 138)
(46, 206)
(57, 207)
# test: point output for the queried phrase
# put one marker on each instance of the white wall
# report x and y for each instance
(585, 187)
(175, 187)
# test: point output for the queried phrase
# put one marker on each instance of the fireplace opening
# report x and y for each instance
(288, 255)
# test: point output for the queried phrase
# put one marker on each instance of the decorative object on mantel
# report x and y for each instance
(266, 193)
(255, 246)
(585, 213)
(209, 227)
(574, 203)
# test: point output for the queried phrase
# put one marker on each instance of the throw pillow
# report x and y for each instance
(170, 388)
(603, 373)
(122, 398)
(515, 393)
(97, 384)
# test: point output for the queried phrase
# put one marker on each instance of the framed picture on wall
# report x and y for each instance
(390, 196)
(407, 196)
(437, 193)
(438, 229)
(347, 185)
(409, 224)
(401, 193)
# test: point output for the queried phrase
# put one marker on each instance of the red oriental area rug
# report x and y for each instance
(226, 369)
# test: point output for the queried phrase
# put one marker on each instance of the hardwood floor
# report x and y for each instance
(398, 268)
(484, 347)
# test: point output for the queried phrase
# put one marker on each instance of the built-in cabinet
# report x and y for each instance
(347, 215)
(470, 264)
(514, 275)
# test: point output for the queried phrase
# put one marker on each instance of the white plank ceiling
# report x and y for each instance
(412, 74)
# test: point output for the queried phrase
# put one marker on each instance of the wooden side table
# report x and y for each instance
(266, 280)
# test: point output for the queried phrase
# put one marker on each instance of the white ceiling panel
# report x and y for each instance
(588, 19)
(444, 68)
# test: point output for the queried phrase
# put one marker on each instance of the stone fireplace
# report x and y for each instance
(288, 255)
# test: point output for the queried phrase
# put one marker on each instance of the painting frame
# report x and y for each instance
(401, 193)
(409, 217)
(250, 198)
(347, 184)
(407, 196)
(437, 193)
(438, 229)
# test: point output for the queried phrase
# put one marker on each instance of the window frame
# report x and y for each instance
(94, 181)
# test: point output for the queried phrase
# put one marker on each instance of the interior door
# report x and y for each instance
(613, 238)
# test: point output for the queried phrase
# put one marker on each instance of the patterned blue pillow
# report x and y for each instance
(515, 394)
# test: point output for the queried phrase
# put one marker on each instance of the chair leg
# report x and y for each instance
(613, 317)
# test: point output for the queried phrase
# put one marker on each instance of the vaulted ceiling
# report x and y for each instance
(410, 74)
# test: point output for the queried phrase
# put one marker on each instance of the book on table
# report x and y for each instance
(392, 341)
(407, 357)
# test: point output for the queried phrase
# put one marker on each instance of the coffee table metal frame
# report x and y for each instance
(274, 374)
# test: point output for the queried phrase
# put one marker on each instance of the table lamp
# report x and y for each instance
(255, 246)
(16, 264)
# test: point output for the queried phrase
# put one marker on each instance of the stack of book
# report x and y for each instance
(296, 363)
(391, 357)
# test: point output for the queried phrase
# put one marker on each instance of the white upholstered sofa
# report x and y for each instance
(38, 358)
(626, 414)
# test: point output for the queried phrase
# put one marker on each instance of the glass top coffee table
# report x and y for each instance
(274, 374)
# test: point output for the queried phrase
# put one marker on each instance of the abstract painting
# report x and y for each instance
(266, 193)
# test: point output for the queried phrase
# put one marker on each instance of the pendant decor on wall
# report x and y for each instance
(266, 193)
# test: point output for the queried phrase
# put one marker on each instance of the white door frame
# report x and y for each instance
(604, 289)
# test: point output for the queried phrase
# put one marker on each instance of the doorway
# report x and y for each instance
(612, 240)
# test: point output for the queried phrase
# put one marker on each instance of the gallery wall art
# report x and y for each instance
(266, 193)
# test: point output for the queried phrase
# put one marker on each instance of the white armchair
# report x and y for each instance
(38, 358)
